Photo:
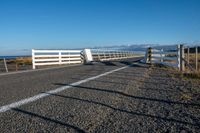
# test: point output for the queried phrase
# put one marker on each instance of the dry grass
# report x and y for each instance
(24, 60)
(192, 75)
(20, 61)
(192, 60)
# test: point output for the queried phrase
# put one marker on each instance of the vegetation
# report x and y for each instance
(192, 60)
(192, 75)
(24, 61)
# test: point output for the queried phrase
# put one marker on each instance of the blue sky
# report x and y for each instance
(55, 24)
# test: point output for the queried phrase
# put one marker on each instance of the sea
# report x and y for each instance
(13, 57)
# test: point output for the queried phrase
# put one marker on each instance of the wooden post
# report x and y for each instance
(5, 64)
(16, 65)
(161, 60)
(150, 55)
(188, 55)
(181, 62)
(196, 57)
(183, 57)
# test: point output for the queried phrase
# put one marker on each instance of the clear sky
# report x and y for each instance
(54, 24)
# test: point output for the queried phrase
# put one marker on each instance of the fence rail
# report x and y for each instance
(59, 57)
(164, 55)
(105, 55)
(179, 56)
(55, 57)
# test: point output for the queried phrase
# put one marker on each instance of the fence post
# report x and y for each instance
(161, 60)
(5, 64)
(146, 56)
(104, 55)
(181, 62)
(115, 55)
(16, 65)
(196, 56)
(69, 58)
(33, 58)
(110, 55)
(98, 55)
(188, 55)
(149, 59)
(60, 58)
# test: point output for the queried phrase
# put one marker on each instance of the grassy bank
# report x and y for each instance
(21, 63)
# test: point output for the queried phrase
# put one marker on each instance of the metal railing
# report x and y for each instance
(106, 55)
(55, 57)
(59, 57)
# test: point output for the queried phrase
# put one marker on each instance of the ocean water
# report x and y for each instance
(13, 57)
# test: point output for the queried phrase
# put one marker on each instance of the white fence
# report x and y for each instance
(166, 55)
(105, 55)
(55, 57)
(59, 57)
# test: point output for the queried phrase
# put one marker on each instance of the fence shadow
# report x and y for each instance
(129, 96)
(126, 111)
(108, 63)
(135, 79)
(125, 62)
(48, 119)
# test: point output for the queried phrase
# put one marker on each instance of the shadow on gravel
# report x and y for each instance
(126, 111)
(108, 63)
(129, 96)
(126, 62)
(139, 65)
(135, 79)
(48, 119)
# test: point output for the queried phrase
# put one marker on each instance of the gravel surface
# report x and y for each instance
(139, 98)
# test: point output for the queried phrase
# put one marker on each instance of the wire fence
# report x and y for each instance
(192, 58)
(15, 64)
(106, 55)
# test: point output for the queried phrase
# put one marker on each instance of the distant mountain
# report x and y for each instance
(133, 47)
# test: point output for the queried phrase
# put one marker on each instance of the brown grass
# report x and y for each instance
(24, 60)
(192, 60)
(192, 75)
(20, 61)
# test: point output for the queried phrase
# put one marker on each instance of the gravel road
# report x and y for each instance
(139, 98)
